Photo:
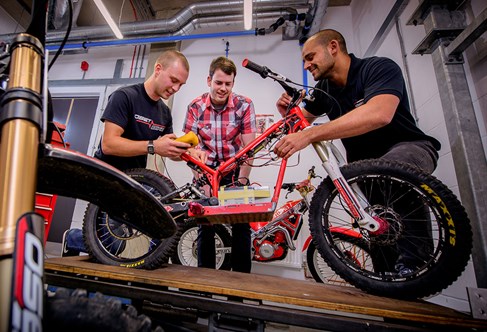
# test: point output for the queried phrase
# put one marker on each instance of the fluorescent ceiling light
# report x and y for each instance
(248, 14)
(103, 10)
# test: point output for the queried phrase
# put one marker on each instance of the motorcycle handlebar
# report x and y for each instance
(261, 70)
(265, 72)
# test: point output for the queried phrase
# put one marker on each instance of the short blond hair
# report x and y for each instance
(170, 56)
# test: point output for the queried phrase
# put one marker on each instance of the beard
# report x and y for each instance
(317, 74)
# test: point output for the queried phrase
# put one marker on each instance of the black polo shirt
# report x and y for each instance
(141, 118)
(367, 78)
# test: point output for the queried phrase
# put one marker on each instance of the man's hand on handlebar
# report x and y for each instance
(285, 100)
(283, 103)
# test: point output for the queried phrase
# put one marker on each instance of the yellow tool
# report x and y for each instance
(189, 138)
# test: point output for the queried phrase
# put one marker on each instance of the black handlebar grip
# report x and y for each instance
(261, 70)
(288, 186)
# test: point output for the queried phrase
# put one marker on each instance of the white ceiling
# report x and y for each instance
(143, 10)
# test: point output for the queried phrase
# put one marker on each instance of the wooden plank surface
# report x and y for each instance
(271, 289)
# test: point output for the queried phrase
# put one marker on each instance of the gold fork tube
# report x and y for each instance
(18, 171)
(19, 143)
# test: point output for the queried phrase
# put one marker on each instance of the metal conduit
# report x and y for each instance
(218, 10)
(183, 34)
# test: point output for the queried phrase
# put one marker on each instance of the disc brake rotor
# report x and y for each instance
(391, 226)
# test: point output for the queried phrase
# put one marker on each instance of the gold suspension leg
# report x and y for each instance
(21, 116)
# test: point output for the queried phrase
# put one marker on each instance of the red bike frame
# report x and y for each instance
(293, 122)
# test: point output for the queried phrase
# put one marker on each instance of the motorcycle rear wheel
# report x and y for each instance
(113, 243)
(323, 273)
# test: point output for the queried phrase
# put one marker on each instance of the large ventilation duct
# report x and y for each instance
(216, 13)
(184, 33)
(59, 14)
(230, 20)
(314, 19)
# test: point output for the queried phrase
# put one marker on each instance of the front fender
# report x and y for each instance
(73, 174)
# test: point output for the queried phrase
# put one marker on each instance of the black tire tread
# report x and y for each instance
(155, 259)
(440, 275)
(75, 311)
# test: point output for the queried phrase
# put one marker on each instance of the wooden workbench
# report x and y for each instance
(262, 297)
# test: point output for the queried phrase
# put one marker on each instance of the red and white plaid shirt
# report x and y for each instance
(219, 131)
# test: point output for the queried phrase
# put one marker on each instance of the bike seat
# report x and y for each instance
(73, 174)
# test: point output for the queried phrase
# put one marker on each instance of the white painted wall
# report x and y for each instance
(476, 70)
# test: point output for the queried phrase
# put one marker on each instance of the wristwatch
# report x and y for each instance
(150, 147)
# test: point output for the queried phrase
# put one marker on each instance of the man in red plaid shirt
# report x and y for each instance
(224, 122)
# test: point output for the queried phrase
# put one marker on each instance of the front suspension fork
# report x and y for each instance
(20, 120)
(349, 194)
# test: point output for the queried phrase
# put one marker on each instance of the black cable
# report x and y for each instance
(60, 134)
(66, 36)
(322, 91)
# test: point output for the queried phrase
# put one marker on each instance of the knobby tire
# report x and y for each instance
(441, 261)
(77, 312)
(110, 242)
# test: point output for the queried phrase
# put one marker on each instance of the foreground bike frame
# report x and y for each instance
(293, 122)
(28, 164)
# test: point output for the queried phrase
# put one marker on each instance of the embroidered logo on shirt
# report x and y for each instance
(359, 103)
(149, 122)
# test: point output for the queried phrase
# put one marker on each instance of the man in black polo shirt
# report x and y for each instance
(369, 112)
(138, 123)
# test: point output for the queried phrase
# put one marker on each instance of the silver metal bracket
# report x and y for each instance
(434, 38)
(450, 59)
(478, 302)
(442, 25)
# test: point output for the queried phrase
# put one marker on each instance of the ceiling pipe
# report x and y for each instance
(216, 9)
(229, 20)
(183, 34)
(150, 40)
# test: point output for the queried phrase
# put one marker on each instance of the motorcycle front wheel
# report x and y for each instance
(425, 245)
(115, 243)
